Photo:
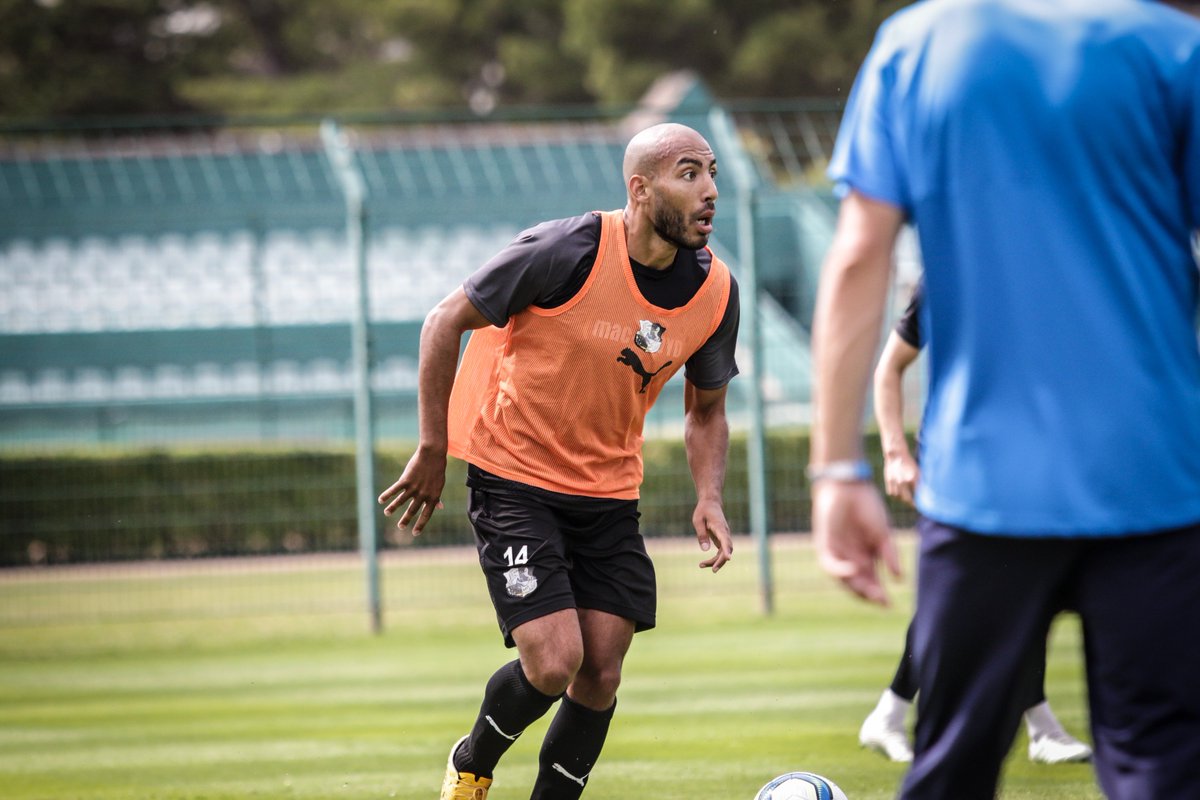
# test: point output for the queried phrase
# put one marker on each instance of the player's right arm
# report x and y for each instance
(900, 471)
(850, 527)
(421, 483)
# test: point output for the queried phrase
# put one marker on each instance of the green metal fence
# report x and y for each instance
(177, 331)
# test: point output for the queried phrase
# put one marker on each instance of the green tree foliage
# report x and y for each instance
(755, 48)
(489, 51)
(106, 57)
(626, 44)
(87, 57)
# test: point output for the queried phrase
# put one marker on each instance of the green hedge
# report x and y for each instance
(136, 504)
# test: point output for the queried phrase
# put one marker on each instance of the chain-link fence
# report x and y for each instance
(177, 378)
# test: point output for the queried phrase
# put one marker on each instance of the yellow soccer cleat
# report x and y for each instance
(463, 785)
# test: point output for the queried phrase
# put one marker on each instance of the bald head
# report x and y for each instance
(658, 146)
(671, 187)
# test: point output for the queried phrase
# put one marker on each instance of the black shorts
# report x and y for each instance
(984, 607)
(543, 551)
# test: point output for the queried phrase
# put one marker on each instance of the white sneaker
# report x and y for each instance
(1058, 748)
(886, 736)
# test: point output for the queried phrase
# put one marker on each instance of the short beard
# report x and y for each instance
(669, 225)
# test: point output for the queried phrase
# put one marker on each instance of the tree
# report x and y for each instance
(486, 52)
(88, 57)
(107, 57)
(758, 48)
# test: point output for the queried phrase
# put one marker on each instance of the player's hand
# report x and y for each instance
(712, 529)
(851, 535)
(420, 485)
(900, 476)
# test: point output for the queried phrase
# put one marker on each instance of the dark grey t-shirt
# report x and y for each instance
(546, 265)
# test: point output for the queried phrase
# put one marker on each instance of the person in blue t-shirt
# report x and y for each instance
(884, 729)
(1048, 155)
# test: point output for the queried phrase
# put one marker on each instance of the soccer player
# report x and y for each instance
(577, 325)
(1049, 157)
(884, 728)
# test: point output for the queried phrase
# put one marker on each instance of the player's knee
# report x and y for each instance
(553, 670)
(596, 685)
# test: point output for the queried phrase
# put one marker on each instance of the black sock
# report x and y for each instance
(510, 704)
(570, 749)
(904, 684)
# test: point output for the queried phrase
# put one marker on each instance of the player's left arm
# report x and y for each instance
(900, 469)
(706, 439)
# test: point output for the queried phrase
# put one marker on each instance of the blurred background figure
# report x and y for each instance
(1060, 447)
(885, 729)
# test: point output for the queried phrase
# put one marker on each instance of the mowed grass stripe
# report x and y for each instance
(716, 701)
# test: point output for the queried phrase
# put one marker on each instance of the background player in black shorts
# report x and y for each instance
(577, 324)
(884, 729)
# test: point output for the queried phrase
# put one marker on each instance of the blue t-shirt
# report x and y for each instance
(1049, 156)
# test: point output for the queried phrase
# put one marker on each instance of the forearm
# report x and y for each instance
(440, 343)
(706, 440)
(889, 400)
(420, 485)
(845, 333)
(847, 323)
(889, 412)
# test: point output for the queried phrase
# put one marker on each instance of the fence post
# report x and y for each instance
(744, 181)
(756, 439)
(355, 192)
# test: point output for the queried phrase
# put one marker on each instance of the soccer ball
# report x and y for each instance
(800, 786)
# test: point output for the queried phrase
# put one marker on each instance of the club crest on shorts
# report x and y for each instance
(649, 336)
(521, 582)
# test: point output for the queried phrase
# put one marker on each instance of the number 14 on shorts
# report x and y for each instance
(520, 557)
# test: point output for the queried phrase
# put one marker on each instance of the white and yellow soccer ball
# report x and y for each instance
(800, 786)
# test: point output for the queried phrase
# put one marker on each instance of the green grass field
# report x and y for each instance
(716, 700)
